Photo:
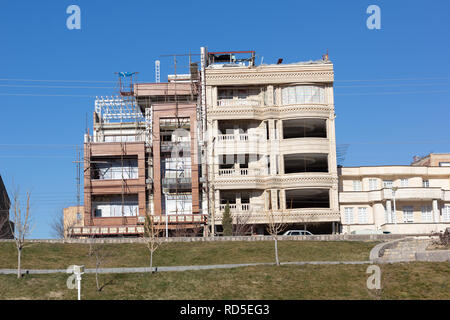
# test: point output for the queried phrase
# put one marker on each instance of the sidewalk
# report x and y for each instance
(179, 268)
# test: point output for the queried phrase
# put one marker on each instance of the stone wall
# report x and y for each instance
(328, 237)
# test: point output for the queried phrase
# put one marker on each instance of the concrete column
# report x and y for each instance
(272, 150)
(389, 211)
(270, 95)
(436, 211)
(214, 96)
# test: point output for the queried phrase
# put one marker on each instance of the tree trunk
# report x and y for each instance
(19, 266)
(151, 260)
(276, 251)
(96, 278)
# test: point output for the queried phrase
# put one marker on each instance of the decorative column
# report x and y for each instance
(389, 211)
(435, 211)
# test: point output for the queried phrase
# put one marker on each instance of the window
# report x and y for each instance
(122, 138)
(357, 186)
(112, 206)
(78, 216)
(387, 184)
(426, 183)
(446, 213)
(349, 215)
(115, 169)
(408, 214)
(372, 184)
(275, 133)
(427, 215)
(303, 94)
(404, 183)
(362, 215)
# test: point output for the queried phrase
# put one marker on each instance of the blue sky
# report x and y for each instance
(383, 121)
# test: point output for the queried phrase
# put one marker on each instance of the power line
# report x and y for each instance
(393, 79)
(42, 80)
(396, 85)
(46, 95)
(43, 86)
(390, 93)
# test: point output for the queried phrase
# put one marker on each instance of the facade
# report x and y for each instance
(398, 199)
(5, 204)
(260, 138)
(271, 141)
(132, 167)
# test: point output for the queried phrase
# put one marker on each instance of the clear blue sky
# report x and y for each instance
(383, 122)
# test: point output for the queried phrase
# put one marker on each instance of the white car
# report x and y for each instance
(297, 233)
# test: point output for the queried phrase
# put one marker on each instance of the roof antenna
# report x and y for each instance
(325, 57)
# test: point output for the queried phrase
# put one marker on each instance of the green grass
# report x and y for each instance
(60, 256)
(416, 280)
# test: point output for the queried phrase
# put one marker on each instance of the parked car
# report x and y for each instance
(297, 233)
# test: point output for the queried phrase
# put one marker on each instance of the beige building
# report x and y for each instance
(398, 199)
(270, 141)
(73, 218)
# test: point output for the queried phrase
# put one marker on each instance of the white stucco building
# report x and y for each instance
(399, 199)
(271, 141)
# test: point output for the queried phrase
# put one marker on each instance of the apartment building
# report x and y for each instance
(398, 199)
(270, 141)
(142, 157)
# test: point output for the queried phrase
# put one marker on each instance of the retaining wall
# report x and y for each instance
(327, 237)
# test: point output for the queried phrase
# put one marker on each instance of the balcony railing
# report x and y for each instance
(240, 172)
(236, 207)
(239, 137)
(228, 102)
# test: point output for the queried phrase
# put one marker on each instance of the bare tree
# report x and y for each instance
(154, 229)
(241, 226)
(61, 227)
(275, 225)
(21, 226)
(99, 254)
(183, 231)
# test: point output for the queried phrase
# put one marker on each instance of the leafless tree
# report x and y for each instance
(241, 226)
(61, 227)
(275, 225)
(21, 225)
(99, 254)
(182, 231)
(153, 235)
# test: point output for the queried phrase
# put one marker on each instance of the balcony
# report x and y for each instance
(259, 215)
(240, 137)
(387, 194)
(230, 102)
(240, 172)
(243, 207)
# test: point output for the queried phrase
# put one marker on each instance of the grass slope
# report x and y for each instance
(399, 281)
(60, 256)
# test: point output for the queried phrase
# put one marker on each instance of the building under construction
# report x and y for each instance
(259, 138)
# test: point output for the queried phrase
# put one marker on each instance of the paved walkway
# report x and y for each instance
(179, 268)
